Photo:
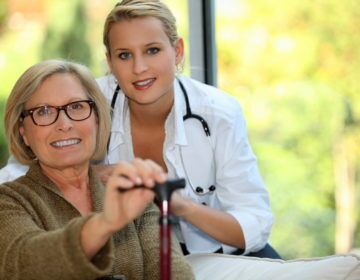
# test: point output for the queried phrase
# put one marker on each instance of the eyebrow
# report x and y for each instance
(47, 104)
(147, 45)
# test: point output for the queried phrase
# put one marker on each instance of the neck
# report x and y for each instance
(150, 115)
(73, 177)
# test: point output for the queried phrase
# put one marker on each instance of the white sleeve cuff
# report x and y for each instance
(255, 234)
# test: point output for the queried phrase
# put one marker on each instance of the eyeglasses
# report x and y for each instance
(47, 115)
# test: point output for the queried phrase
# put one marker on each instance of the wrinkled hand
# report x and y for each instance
(123, 201)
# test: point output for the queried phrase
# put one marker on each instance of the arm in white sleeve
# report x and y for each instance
(242, 192)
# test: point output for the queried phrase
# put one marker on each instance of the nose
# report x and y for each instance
(63, 122)
(140, 65)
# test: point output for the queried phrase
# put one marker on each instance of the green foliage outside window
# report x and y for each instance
(295, 69)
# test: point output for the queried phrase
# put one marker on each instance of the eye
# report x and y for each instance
(44, 111)
(76, 106)
(124, 55)
(153, 50)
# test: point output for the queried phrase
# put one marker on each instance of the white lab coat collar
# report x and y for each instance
(175, 119)
(119, 114)
(118, 122)
(196, 102)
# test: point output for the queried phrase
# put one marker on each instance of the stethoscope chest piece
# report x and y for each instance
(200, 190)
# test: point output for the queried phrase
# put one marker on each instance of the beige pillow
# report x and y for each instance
(218, 266)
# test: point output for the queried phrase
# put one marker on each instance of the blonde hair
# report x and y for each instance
(25, 87)
(130, 9)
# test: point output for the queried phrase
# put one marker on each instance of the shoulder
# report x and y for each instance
(26, 187)
(12, 170)
(15, 191)
(107, 85)
(211, 101)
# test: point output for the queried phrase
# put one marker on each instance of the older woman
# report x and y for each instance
(58, 221)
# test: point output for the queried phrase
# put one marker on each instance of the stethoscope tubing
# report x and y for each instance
(189, 114)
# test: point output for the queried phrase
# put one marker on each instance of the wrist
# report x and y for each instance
(187, 209)
(105, 228)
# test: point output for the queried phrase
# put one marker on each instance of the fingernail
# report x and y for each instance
(138, 181)
(163, 176)
(150, 182)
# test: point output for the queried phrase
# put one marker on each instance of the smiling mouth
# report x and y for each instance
(65, 143)
(144, 83)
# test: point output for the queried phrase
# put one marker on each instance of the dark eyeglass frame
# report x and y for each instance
(65, 107)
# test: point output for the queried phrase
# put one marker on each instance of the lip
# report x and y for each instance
(143, 84)
(65, 143)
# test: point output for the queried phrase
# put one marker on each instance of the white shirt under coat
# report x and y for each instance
(224, 160)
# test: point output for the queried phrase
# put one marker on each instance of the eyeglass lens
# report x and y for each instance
(76, 111)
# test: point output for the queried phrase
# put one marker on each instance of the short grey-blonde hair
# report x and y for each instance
(26, 86)
(130, 9)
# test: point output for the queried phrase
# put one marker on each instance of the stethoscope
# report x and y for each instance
(188, 115)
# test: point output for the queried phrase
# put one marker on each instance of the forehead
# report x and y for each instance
(142, 30)
(57, 89)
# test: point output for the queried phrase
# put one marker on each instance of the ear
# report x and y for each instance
(179, 50)
(22, 133)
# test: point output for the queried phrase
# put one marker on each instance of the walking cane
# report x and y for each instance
(163, 194)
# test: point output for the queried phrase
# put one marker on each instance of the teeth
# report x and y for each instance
(143, 83)
(64, 143)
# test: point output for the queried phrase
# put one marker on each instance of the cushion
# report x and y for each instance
(219, 266)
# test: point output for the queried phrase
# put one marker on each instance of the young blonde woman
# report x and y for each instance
(190, 129)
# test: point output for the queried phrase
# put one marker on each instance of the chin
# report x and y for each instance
(67, 163)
